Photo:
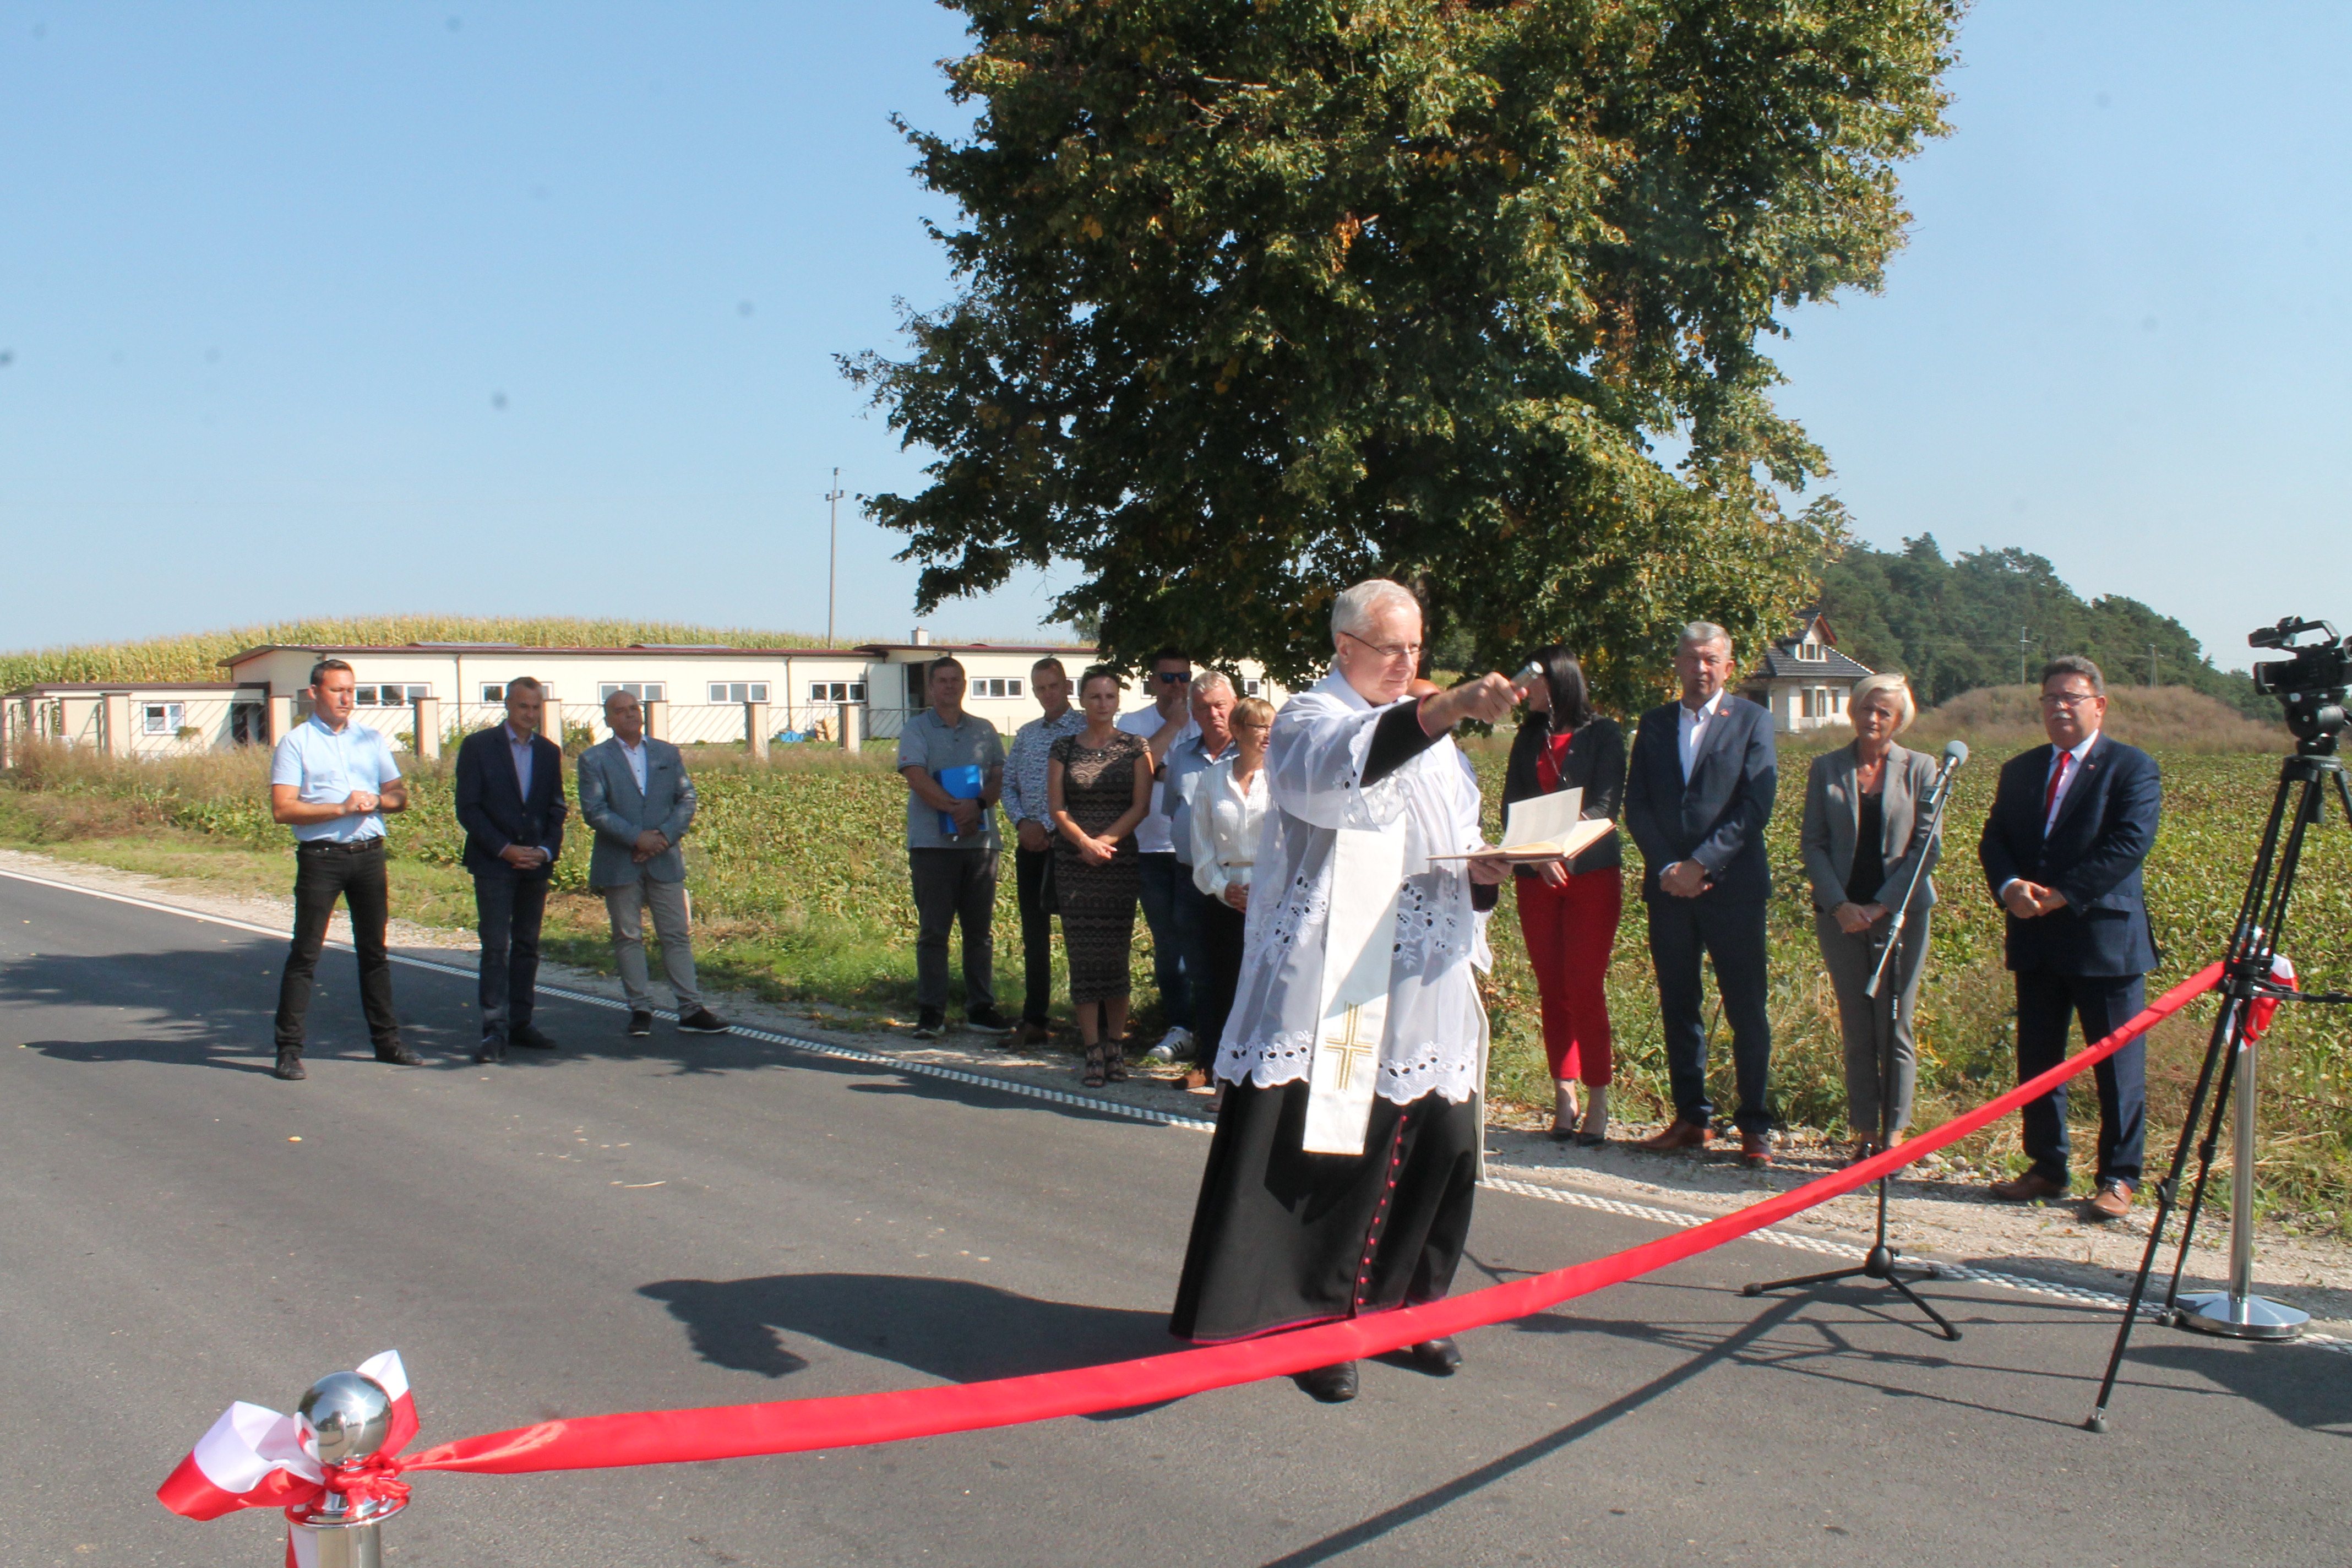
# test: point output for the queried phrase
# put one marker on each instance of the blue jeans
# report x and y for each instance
(1732, 936)
(1162, 879)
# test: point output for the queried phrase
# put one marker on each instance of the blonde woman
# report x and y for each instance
(1865, 831)
(1227, 818)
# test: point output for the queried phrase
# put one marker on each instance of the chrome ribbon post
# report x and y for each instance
(2238, 1313)
(344, 1420)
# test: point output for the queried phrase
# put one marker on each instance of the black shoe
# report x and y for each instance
(399, 1056)
(641, 1023)
(986, 1021)
(531, 1036)
(289, 1067)
(702, 1020)
(1436, 1357)
(491, 1049)
(933, 1023)
(1333, 1384)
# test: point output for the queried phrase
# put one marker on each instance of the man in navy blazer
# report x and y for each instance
(2071, 824)
(511, 804)
(1698, 791)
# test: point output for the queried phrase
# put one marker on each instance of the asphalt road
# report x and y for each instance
(707, 1223)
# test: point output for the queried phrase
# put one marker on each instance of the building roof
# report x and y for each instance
(696, 650)
(946, 648)
(1782, 663)
(100, 687)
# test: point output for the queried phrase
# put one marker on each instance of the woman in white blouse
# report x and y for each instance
(1228, 814)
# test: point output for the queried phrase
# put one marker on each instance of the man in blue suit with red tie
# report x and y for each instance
(2072, 821)
(511, 804)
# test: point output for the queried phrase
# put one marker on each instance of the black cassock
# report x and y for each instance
(1281, 1237)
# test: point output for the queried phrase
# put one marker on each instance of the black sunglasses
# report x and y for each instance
(1171, 676)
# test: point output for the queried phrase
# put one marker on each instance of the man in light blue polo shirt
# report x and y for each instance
(331, 781)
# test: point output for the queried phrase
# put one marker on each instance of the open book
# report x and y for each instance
(1543, 827)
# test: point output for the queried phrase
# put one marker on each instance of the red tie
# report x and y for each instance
(2057, 777)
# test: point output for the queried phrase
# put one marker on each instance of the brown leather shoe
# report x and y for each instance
(2028, 1187)
(2112, 1201)
(1035, 1035)
(1756, 1150)
(1677, 1135)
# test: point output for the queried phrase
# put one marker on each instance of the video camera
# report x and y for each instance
(2311, 685)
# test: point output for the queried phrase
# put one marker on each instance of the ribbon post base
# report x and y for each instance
(328, 1541)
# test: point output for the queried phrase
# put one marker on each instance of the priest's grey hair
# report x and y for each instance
(1699, 634)
(1356, 605)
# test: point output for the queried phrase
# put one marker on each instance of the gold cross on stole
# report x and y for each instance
(1350, 1044)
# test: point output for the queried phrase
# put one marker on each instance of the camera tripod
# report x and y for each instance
(1880, 1262)
(2245, 979)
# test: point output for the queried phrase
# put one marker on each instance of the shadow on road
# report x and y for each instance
(2299, 1383)
(954, 1329)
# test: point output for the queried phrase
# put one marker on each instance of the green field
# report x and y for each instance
(801, 894)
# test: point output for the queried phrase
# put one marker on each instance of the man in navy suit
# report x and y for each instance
(511, 804)
(2071, 823)
(1698, 791)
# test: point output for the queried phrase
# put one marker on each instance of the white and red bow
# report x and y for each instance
(254, 1458)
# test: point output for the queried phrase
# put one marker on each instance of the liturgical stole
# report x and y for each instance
(1359, 949)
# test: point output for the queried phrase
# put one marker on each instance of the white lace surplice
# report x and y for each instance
(1312, 766)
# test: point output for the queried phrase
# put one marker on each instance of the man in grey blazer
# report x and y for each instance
(634, 794)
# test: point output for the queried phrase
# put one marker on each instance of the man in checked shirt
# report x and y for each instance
(1032, 858)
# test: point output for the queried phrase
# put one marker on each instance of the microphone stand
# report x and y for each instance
(1880, 1263)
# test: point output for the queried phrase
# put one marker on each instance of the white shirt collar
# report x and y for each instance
(1704, 710)
(513, 739)
(2078, 753)
(637, 750)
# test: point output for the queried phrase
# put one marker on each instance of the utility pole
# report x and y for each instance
(2021, 654)
(2151, 664)
(832, 552)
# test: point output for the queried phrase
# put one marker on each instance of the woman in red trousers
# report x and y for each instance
(1569, 911)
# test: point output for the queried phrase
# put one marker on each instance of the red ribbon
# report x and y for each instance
(373, 1480)
(798, 1425)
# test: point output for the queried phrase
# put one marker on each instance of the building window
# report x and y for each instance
(1252, 687)
(836, 691)
(391, 696)
(642, 690)
(164, 717)
(738, 691)
(995, 685)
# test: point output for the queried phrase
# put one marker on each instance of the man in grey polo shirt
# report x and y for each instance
(331, 781)
(954, 768)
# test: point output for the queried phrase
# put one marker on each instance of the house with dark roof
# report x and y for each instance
(1803, 680)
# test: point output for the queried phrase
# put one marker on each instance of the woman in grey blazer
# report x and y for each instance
(1863, 833)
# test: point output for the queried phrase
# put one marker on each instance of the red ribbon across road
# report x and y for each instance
(798, 1425)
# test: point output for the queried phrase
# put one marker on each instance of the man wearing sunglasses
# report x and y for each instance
(2072, 821)
(1167, 721)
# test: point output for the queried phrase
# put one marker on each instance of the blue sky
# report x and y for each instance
(499, 307)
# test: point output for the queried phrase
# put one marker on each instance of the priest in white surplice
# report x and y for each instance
(1339, 1181)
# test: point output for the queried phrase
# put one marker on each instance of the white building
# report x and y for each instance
(695, 694)
(1804, 680)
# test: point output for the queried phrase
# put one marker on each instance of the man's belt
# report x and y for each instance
(342, 845)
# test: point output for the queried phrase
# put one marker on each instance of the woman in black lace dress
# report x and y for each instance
(1098, 786)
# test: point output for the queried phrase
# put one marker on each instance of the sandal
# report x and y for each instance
(1115, 1067)
(1095, 1068)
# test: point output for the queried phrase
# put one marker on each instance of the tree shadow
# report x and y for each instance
(954, 1329)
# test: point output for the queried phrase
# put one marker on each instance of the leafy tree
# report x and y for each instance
(1260, 296)
(1953, 625)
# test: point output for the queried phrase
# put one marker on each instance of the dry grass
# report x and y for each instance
(197, 656)
(1999, 719)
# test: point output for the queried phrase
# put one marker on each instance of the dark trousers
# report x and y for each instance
(322, 873)
(1731, 935)
(1162, 880)
(954, 887)
(1033, 872)
(1221, 972)
(506, 912)
(2046, 1004)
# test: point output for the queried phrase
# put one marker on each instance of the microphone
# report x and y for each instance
(1524, 680)
(1956, 752)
